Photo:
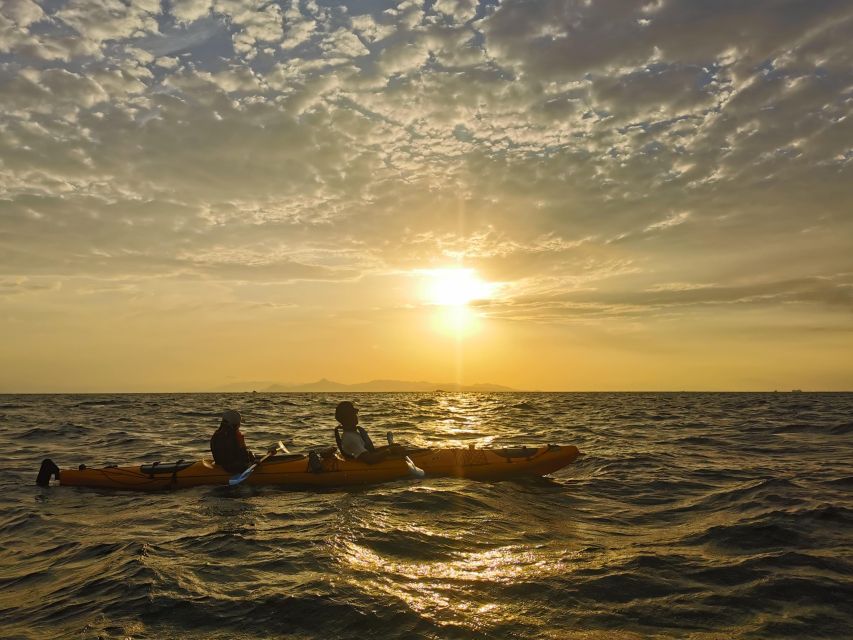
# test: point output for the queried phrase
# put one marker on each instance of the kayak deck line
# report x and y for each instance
(294, 469)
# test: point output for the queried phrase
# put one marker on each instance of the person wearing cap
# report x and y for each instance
(228, 445)
(354, 442)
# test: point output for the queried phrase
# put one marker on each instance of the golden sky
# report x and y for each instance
(554, 195)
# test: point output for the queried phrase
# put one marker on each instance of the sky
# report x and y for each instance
(549, 194)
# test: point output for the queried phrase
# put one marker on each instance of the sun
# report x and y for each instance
(455, 287)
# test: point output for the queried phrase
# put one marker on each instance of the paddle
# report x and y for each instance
(234, 481)
(414, 470)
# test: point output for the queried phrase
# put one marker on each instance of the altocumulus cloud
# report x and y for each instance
(589, 154)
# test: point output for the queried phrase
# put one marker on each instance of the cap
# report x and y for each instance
(343, 409)
(231, 417)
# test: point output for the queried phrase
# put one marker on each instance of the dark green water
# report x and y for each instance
(691, 515)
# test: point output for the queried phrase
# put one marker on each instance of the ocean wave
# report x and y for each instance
(200, 414)
(698, 440)
(17, 522)
(763, 492)
(805, 591)
(841, 429)
(106, 402)
(66, 429)
(622, 587)
(846, 481)
(746, 537)
(775, 530)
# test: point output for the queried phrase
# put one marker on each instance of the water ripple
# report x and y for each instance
(690, 515)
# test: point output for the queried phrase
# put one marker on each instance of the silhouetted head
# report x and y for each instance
(347, 414)
(231, 419)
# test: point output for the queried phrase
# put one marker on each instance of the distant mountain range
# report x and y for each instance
(374, 385)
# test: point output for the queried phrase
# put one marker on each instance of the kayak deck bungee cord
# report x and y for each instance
(327, 470)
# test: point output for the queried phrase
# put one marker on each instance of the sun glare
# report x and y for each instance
(458, 320)
(456, 287)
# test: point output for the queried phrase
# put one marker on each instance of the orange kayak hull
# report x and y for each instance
(495, 464)
(293, 470)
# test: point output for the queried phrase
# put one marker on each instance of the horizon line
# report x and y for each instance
(80, 393)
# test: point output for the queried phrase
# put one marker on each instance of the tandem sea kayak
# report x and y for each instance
(297, 470)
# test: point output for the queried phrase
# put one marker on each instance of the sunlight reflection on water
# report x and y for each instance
(447, 592)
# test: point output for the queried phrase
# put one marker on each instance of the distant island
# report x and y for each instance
(327, 386)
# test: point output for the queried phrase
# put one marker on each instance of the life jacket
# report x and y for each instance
(368, 443)
(229, 449)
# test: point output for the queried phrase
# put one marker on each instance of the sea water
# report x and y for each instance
(711, 515)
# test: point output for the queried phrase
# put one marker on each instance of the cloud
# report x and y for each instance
(22, 12)
(17, 37)
(20, 285)
(256, 23)
(188, 11)
(671, 221)
(370, 28)
(594, 149)
(578, 302)
(458, 10)
(101, 20)
(343, 43)
(298, 27)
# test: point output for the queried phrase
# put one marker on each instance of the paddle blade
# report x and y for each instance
(234, 481)
(415, 471)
